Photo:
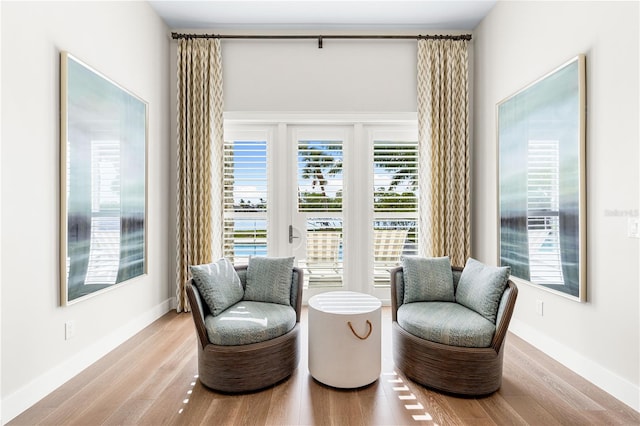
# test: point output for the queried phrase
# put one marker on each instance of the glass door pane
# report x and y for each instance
(324, 261)
(319, 211)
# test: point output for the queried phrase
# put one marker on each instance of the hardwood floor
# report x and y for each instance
(152, 380)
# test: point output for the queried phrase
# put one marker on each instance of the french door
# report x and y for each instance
(319, 205)
(341, 198)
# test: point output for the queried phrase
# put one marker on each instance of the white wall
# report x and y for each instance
(295, 75)
(0, 216)
(515, 44)
(127, 42)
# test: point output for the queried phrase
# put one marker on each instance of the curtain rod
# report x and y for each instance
(176, 36)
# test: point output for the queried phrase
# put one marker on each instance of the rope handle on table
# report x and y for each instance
(357, 335)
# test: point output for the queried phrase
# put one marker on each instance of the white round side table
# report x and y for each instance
(345, 339)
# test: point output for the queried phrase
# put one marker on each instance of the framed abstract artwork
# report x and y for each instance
(103, 181)
(541, 181)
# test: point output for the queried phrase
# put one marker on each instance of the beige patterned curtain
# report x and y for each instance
(443, 145)
(200, 150)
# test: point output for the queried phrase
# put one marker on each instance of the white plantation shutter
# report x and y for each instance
(395, 177)
(245, 200)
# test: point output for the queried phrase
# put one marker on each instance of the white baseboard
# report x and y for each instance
(28, 395)
(617, 386)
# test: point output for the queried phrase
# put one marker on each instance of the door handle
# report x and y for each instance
(291, 236)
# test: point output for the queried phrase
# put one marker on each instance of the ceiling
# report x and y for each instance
(323, 14)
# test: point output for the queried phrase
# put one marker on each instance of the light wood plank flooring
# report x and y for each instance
(152, 380)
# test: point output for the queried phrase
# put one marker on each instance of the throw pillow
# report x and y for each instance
(427, 279)
(269, 280)
(219, 285)
(481, 286)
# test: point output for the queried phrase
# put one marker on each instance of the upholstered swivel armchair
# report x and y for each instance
(453, 339)
(250, 344)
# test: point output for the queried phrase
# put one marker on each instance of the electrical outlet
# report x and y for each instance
(540, 307)
(69, 330)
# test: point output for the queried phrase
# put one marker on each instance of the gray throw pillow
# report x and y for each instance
(269, 280)
(427, 279)
(218, 284)
(481, 286)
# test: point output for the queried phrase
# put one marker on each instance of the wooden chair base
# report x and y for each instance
(452, 369)
(247, 368)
